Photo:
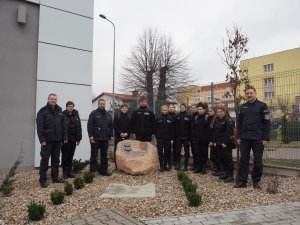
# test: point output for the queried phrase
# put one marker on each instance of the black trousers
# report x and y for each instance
(258, 149)
(67, 154)
(103, 146)
(200, 155)
(164, 151)
(214, 158)
(186, 146)
(51, 149)
(224, 156)
(173, 152)
(143, 137)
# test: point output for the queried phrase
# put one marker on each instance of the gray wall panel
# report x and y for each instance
(18, 63)
(82, 7)
(66, 29)
(64, 64)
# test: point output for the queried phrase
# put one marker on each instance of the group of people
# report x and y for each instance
(202, 129)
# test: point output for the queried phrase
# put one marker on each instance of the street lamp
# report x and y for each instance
(104, 17)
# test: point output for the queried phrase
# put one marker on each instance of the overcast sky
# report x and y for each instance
(197, 28)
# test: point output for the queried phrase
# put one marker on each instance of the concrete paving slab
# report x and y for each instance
(116, 190)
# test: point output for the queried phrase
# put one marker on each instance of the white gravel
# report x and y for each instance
(170, 198)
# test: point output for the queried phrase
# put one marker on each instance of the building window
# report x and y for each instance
(198, 99)
(230, 105)
(209, 98)
(269, 88)
(268, 67)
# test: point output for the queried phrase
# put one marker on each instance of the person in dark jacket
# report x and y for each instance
(222, 140)
(74, 137)
(182, 134)
(52, 131)
(194, 115)
(100, 131)
(164, 133)
(213, 152)
(198, 138)
(121, 126)
(253, 132)
(143, 122)
(172, 114)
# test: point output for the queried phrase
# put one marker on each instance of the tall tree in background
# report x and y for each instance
(234, 47)
(155, 66)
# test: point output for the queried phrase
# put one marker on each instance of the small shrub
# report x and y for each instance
(78, 166)
(273, 185)
(194, 199)
(36, 211)
(79, 183)
(88, 176)
(7, 189)
(57, 197)
(180, 175)
(68, 188)
(190, 187)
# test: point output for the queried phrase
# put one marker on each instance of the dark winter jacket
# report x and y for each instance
(182, 125)
(210, 129)
(74, 125)
(223, 131)
(51, 125)
(143, 122)
(121, 124)
(100, 125)
(198, 129)
(253, 121)
(164, 127)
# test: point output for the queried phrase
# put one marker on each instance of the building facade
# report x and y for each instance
(276, 78)
(46, 46)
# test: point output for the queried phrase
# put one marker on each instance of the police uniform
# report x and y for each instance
(173, 146)
(74, 135)
(100, 130)
(253, 126)
(182, 134)
(164, 133)
(52, 129)
(142, 124)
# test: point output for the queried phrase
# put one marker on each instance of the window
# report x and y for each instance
(268, 67)
(269, 88)
(230, 105)
(209, 98)
(198, 99)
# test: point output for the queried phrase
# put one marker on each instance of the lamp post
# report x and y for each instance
(104, 17)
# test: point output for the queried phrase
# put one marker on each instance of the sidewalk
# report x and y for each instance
(264, 215)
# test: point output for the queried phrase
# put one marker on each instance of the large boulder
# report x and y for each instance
(136, 157)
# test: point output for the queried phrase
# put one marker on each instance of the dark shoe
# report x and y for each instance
(239, 185)
(106, 173)
(58, 180)
(223, 177)
(203, 172)
(216, 173)
(71, 175)
(228, 179)
(257, 185)
(65, 173)
(44, 185)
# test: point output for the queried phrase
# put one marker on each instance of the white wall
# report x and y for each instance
(65, 60)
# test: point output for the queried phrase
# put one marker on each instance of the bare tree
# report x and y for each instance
(173, 72)
(233, 49)
(155, 64)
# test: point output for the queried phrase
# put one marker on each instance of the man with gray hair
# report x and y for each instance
(52, 131)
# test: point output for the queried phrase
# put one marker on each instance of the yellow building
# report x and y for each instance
(276, 78)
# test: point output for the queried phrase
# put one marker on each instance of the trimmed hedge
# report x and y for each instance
(190, 189)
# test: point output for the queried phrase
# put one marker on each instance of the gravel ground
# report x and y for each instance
(170, 198)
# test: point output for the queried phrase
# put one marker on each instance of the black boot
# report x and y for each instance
(185, 165)
(65, 173)
(70, 173)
